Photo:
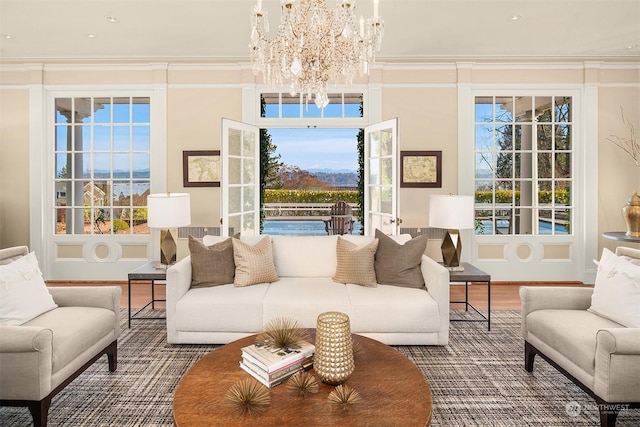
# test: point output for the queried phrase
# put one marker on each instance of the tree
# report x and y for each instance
(294, 178)
(269, 164)
(271, 161)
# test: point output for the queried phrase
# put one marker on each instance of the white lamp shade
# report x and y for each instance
(168, 210)
(451, 212)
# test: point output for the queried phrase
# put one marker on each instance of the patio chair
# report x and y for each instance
(341, 221)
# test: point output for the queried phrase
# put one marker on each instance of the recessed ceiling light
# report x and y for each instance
(91, 36)
(515, 17)
(6, 36)
(112, 19)
(632, 46)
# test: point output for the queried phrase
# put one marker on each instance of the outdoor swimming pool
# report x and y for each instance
(299, 228)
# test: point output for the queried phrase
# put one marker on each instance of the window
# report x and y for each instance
(523, 165)
(283, 105)
(102, 163)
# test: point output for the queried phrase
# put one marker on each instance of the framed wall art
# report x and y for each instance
(421, 169)
(201, 168)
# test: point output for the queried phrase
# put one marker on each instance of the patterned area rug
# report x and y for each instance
(477, 380)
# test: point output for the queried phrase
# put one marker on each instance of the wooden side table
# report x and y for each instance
(147, 273)
(472, 274)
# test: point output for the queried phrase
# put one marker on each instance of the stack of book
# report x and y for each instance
(272, 366)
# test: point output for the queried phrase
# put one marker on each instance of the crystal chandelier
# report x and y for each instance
(314, 45)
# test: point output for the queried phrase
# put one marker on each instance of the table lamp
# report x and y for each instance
(452, 213)
(168, 211)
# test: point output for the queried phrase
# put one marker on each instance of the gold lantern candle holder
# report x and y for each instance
(333, 360)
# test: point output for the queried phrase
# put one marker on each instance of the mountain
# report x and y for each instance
(338, 179)
(326, 170)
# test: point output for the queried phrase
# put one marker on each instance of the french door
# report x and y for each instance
(381, 177)
(240, 162)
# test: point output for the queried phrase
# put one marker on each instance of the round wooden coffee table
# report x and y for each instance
(393, 390)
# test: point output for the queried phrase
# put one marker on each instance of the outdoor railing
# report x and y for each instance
(300, 211)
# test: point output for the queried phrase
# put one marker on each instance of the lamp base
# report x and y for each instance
(451, 249)
(168, 247)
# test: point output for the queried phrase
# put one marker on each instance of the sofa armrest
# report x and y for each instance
(178, 283)
(617, 372)
(26, 354)
(436, 278)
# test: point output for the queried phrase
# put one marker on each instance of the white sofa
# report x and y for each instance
(305, 266)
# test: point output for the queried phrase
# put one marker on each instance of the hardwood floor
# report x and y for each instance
(504, 295)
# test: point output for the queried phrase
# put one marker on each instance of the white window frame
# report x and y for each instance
(530, 211)
(72, 180)
(585, 144)
(371, 113)
(43, 239)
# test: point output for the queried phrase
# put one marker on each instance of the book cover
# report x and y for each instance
(271, 384)
(271, 376)
(271, 359)
(261, 368)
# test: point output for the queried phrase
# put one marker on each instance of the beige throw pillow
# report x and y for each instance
(355, 263)
(398, 264)
(211, 265)
(254, 264)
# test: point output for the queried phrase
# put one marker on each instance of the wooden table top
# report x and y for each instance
(393, 390)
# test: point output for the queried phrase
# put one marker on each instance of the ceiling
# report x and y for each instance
(217, 31)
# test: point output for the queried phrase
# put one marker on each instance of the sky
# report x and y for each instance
(317, 148)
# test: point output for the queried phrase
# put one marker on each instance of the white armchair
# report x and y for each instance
(40, 357)
(599, 355)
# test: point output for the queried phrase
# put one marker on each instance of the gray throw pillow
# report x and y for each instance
(397, 264)
(212, 265)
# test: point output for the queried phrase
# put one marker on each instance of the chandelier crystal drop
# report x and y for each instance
(314, 45)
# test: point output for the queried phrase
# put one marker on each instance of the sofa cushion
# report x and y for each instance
(23, 293)
(211, 265)
(254, 264)
(392, 309)
(72, 337)
(572, 333)
(304, 256)
(399, 264)
(221, 308)
(304, 299)
(616, 294)
(355, 264)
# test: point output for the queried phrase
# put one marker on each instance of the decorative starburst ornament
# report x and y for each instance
(343, 396)
(248, 397)
(303, 384)
(283, 332)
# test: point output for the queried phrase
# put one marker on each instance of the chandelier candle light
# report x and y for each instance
(314, 45)
(168, 211)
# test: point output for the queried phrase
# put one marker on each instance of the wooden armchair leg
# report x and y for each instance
(607, 416)
(40, 412)
(112, 356)
(529, 355)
